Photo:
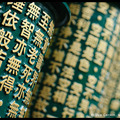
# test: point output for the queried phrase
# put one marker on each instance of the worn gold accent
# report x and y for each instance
(1, 102)
(54, 108)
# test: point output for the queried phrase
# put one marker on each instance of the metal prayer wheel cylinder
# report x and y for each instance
(80, 71)
(26, 29)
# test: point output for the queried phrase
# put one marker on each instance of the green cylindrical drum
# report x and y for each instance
(25, 32)
(79, 74)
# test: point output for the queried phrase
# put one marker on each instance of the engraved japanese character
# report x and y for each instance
(45, 92)
(27, 72)
(17, 5)
(62, 43)
(27, 29)
(33, 55)
(66, 32)
(84, 24)
(74, 8)
(59, 96)
(50, 80)
(39, 62)
(76, 89)
(22, 112)
(55, 66)
(10, 19)
(27, 97)
(71, 59)
(13, 66)
(58, 55)
(38, 38)
(51, 29)
(5, 38)
(41, 105)
(44, 48)
(12, 112)
(33, 11)
(103, 7)
(84, 105)
(34, 79)
(20, 90)
(63, 84)
(20, 47)
(75, 48)
(72, 101)
(68, 113)
(84, 65)
(68, 72)
(80, 35)
(7, 83)
(44, 21)
(2, 56)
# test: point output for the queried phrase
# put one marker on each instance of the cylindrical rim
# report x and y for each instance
(60, 11)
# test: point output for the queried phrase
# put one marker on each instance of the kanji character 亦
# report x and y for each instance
(20, 46)
(21, 89)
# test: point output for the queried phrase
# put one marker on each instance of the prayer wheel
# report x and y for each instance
(26, 29)
(81, 68)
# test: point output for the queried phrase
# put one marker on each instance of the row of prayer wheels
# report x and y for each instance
(59, 60)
